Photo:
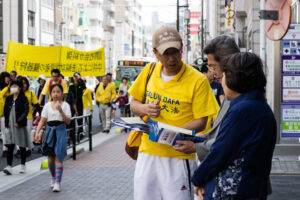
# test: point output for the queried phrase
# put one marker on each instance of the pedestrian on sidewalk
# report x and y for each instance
(239, 162)
(55, 79)
(16, 109)
(77, 86)
(87, 101)
(33, 105)
(4, 87)
(122, 99)
(105, 94)
(56, 114)
(176, 94)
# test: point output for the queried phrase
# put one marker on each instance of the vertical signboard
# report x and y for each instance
(290, 83)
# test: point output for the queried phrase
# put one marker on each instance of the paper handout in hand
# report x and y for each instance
(158, 131)
(167, 134)
(132, 123)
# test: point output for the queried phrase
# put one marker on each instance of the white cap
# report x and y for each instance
(42, 76)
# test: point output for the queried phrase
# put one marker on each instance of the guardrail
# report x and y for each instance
(74, 135)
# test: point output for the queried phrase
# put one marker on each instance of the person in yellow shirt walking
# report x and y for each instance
(55, 79)
(176, 94)
(4, 87)
(105, 94)
(87, 101)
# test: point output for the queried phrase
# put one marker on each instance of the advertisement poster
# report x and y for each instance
(290, 83)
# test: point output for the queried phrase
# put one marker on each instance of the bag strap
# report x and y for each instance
(50, 84)
(189, 175)
(152, 66)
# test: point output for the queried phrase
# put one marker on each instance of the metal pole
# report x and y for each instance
(90, 132)
(177, 13)
(262, 51)
(73, 139)
(202, 30)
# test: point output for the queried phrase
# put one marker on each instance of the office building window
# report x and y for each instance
(31, 41)
(31, 19)
(49, 3)
(47, 26)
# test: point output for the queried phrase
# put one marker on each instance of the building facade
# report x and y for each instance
(129, 35)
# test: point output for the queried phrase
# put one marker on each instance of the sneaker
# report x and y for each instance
(56, 187)
(106, 131)
(4, 154)
(23, 169)
(52, 182)
(7, 170)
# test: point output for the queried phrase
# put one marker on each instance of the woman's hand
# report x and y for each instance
(58, 107)
(37, 138)
(16, 125)
(199, 191)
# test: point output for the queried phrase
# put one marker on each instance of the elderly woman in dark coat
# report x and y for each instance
(239, 162)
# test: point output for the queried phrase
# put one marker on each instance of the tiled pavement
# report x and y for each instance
(285, 165)
(106, 174)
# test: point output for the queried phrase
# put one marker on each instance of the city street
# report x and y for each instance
(229, 69)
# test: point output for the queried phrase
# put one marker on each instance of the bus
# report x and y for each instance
(130, 68)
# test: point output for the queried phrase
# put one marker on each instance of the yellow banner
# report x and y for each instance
(29, 60)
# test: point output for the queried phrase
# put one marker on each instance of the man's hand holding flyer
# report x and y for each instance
(159, 132)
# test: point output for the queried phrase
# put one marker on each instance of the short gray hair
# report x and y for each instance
(221, 47)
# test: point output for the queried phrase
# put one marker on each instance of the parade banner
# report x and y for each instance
(30, 60)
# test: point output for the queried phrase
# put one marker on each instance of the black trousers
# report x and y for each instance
(10, 154)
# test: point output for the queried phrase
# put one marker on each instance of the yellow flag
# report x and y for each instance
(29, 60)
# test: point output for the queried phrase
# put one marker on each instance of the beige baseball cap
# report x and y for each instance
(166, 37)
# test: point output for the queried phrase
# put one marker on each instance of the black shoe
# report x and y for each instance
(81, 136)
(18, 154)
(4, 154)
(28, 153)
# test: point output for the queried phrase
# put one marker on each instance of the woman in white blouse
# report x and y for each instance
(56, 114)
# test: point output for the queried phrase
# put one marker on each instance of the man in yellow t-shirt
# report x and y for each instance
(55, 79)
(176, 94)
(87, 102)
(105, 93)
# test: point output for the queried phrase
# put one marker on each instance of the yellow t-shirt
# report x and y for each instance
(87, 99)
(5, 92)
(107, 94)
(186, 97)
(46, 89)
(1, 104)
(32, 99)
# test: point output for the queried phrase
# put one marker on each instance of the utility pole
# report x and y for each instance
(202, 30)
(262, 37)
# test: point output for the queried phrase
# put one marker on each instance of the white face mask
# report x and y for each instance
(14, 90)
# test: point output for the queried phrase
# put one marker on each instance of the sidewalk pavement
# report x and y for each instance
(106, 173)
(33, 167)
(286, 165)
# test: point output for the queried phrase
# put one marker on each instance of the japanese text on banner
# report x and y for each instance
(32, 60)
